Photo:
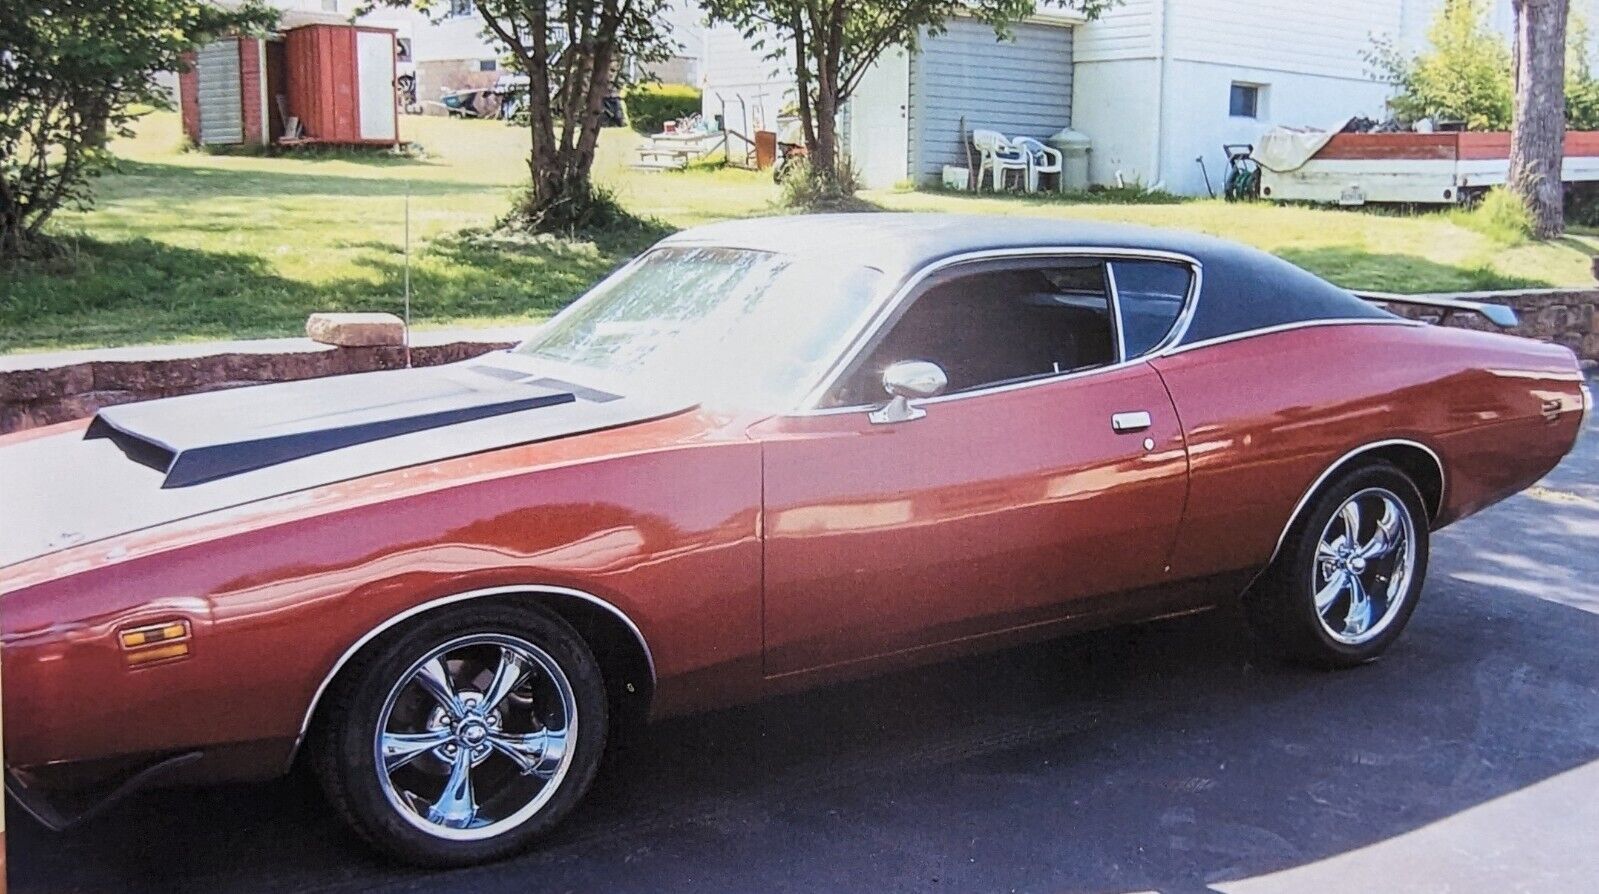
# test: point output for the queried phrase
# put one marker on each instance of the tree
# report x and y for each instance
(572, 52)
(1537, 140)
(1463, 75)
(74, 74)
(1582, 89)
(833, 43)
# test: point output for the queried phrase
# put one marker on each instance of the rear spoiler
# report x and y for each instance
(1497, 314)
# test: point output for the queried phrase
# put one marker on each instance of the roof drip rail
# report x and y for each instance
(1500, 315)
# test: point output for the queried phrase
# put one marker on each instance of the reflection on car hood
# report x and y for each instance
(144, 464)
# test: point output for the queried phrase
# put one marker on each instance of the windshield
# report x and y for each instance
(751, 327)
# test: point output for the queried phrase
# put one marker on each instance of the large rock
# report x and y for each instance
(356, 330)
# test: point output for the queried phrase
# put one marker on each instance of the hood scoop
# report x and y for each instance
(204, 437)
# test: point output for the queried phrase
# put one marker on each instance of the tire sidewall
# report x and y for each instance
(1295, 579)
(349, 738)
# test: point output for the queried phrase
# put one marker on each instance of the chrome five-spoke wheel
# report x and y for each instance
(473, 738)
(1364, 561)
(464, 735)
(1349, 572)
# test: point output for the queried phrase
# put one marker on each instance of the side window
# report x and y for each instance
(1150, 295)
(996, 326)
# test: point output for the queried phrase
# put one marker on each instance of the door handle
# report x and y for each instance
(1122, 423)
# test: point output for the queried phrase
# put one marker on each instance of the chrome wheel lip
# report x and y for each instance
(563, 688)
(1362, 568)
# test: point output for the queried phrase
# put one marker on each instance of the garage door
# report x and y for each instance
(217, 71)
(1019, 88)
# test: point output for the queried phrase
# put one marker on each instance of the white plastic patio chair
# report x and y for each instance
(998, 155)
(1041, 159)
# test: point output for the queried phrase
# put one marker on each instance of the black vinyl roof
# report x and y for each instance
(1242, 289)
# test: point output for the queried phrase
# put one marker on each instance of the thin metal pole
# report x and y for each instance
(407, 274)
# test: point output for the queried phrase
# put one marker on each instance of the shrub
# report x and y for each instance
(1501, 215)
(650, 106)
(1463, 76)
(1582, 88)
(808, 189)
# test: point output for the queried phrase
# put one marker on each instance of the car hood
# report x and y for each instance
(145, 464)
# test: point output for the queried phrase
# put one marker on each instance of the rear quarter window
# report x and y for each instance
(1151, 295)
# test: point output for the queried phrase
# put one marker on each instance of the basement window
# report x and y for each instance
(1245, 101)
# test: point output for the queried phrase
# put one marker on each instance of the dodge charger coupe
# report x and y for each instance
(761, 456)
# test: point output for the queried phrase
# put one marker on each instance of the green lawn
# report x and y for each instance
(185, 246)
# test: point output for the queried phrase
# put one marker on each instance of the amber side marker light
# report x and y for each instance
(156, 642)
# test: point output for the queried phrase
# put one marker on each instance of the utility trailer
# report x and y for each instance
(1413, 168)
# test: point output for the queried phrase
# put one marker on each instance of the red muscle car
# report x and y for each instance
(763, 455)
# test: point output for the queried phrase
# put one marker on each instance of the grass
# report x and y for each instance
(191, 246)
(1359, 249)
(188, 246)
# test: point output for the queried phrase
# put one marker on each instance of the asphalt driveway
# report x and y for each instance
(1162, 758)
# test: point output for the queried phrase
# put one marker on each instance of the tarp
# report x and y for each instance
(1284, 149)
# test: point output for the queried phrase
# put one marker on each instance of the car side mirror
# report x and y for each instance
(906, 381)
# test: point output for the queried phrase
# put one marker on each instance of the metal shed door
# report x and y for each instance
(217, 71)
(1019, 88)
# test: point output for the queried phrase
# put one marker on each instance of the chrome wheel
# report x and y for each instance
(1363, 566)
(476, 737)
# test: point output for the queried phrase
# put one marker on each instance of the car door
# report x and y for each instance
(1050, 477)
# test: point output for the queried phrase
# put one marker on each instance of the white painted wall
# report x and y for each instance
(1154, 77)
(1198, 124)
(1114, 101)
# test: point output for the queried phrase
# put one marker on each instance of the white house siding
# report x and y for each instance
(1115, 90)
(1126, 31)
(1154, 79)
(1304, 36)
(733, 69)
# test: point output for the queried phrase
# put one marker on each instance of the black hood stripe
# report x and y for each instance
(205, 437)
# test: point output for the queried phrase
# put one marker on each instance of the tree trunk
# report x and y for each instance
(1538, 136)
(824, 155)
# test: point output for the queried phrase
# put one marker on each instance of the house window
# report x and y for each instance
(487, 65)
(1245, 101)
(460, 8)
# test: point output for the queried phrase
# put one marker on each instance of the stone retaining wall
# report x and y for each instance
(1567, 317)
(63, 387)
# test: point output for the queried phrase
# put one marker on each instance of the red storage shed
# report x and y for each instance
(340, 81)
(312, 84)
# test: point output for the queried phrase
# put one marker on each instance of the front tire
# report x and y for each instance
(1348, 575)
(463, 737)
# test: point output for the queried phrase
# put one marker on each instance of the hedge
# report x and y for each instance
(650, 106)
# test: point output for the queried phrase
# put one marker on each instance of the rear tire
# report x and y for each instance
(1349, 573)
(464, 736)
